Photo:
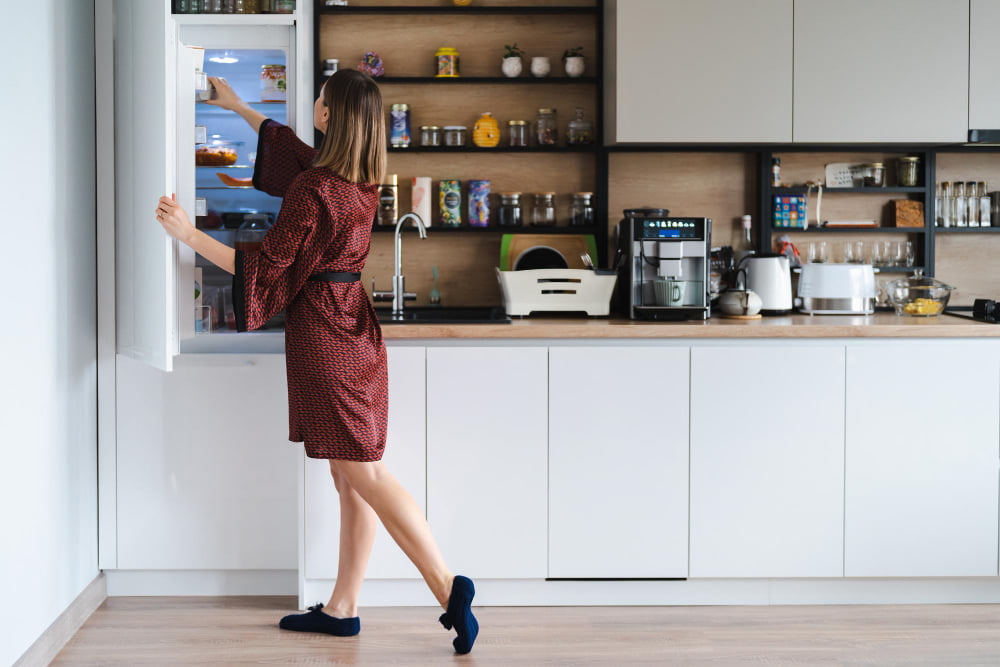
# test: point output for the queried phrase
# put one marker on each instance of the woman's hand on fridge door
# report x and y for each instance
(174, 219)
(224, 95)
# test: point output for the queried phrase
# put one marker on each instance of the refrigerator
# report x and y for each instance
(159, 125)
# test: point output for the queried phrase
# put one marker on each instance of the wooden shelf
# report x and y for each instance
(801, 190)
(527, 229)
(498, 149)
(384, 9)
(852, 230)
(458, 80)
(966, 230)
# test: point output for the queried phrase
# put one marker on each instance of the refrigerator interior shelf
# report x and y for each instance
(223, 187)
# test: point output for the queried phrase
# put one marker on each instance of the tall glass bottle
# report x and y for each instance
(937, 205)
(947, 218)
(985, 206)
(972, 203)
(960, 207)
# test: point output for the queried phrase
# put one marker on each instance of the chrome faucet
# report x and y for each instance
(399, 293)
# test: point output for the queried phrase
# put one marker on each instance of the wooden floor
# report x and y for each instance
(243, 631)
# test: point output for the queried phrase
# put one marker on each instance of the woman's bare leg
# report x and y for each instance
(357, 534)
(402, 517)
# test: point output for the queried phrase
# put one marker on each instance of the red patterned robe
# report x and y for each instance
(334, 353)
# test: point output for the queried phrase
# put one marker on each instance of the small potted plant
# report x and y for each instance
(573, 61)
(511, 64)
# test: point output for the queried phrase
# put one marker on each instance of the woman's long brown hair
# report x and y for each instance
(354, 143)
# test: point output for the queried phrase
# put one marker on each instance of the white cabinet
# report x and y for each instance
(886, 71)
(922, 458)
(206, 476)
(487, 459)
(618, 463)
(767, 461)
(706, 71)
(984, 65)
(405, 457)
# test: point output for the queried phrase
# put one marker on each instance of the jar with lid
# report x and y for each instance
(509, 214)
(907, 171)
(518, 133)
(447, 62)
(330, 66)
(546, 131)
(250, 235)
(454, 135)
(543, 213)
(580, 131)
(272, 83)
(581, 211)
(430, 135)
(874, 175)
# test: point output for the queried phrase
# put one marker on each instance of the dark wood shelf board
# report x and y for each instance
(510, 10)
(495, 229)
(801, 190)
(498, 149)
(966, 230)
(852, 230)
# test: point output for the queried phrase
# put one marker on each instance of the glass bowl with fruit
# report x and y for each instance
(918, 295)
(218, 152)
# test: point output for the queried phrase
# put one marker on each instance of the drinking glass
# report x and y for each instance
(811, 257)
(887, 253)
(899, 254)
(876, 253)
(859, 252)
(848, 252)
(910, 254)
(824, 254)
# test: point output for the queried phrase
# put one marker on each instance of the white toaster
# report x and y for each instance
(837, 289)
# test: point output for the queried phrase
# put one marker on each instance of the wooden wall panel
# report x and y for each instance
(721, 186)
(968, 261)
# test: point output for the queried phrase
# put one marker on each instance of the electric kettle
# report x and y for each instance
(770, 276)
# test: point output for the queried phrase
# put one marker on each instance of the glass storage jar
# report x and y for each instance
(874, 175)
(430, 135)
(580, 131)
(907, 171)
(454, 135)
(543, 213)
(581, 211)
(518, 133)
(509, 214)
(546, 131)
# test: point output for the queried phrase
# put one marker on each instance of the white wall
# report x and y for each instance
(48, 380)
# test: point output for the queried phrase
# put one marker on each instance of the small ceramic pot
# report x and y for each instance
(575, 66)
(512, 67)
(740, 302)
(540, 66)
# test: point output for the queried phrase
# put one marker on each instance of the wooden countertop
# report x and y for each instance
(879, 325)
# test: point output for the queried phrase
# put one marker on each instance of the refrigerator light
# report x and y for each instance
(225, 59)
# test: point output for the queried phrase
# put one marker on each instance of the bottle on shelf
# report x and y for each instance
(388, 201)
(746, 246)
(960, 207)
(937, 205)
(985, 206)
(972, 203)
(776, 172)
(947, 219)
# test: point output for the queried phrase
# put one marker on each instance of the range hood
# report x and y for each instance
(984, 137)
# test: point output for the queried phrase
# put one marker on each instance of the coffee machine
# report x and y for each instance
(664, 264)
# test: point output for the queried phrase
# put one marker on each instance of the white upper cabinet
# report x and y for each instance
(885, 71)
(984, 65)
(706, 71)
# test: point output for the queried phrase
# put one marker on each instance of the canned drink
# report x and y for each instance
(451, 203)
(399, 134)
(479, 203)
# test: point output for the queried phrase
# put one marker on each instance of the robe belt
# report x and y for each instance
(336, 277)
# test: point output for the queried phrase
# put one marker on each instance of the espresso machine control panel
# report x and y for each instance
(665, 266)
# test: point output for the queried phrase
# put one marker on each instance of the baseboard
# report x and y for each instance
(49, 643)
(201, 582)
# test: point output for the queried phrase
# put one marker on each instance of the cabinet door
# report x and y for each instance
(486, 459)
(206, 475)
(922, 457)
(984, 65)
(147, 78)
(618, 463)
(405, 457)
(767, 461)
(886, 71)
(706, 71)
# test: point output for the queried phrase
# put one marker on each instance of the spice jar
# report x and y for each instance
(874, 175)
(272, 83)
(430, 135)
(509, 214)
(330, 66)
(580, 131)
(907, 171)
(518, 132)
(546, 131)
(581, 211)
(543, 213)
(447, 62)
(454, 135)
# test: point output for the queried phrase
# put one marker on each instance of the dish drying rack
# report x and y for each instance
(564, 290)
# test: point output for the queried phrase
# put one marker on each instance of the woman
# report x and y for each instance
(309, 264)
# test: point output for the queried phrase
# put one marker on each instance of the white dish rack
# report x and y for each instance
(556, 290)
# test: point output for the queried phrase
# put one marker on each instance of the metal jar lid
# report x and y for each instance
(453, 128)
(400, 107)
(909, 159)
(546, 110)
(429, 127)
(517, 122)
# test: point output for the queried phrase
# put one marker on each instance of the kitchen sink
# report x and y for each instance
(441, 315)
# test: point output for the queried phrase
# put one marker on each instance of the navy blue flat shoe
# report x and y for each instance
(320, 621)
(459, 614)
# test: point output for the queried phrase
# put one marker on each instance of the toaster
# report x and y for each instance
(837, 289)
